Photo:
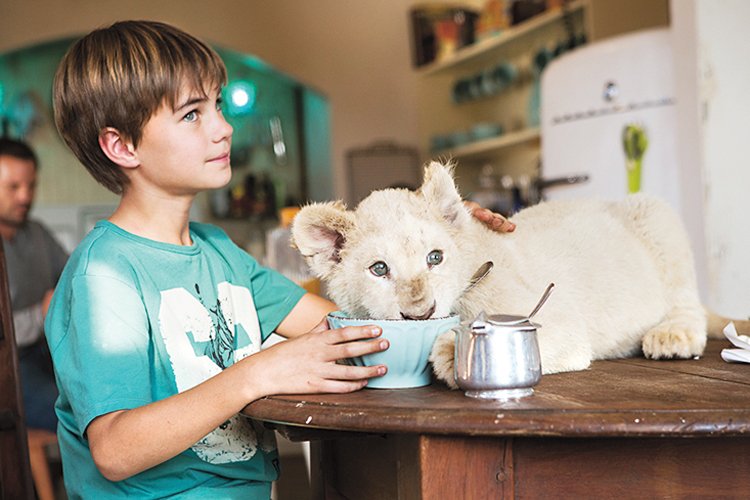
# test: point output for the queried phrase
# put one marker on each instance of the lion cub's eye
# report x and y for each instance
(434, 258)
(379, 269)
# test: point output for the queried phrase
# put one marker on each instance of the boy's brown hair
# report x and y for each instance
(119, 77)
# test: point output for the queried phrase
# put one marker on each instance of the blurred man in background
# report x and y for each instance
(34, 261)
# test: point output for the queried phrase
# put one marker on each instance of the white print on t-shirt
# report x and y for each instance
(200, 340)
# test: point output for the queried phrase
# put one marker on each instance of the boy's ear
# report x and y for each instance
(118, 148)
(440, 191)
(319, 231)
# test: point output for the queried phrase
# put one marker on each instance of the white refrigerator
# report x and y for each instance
(609, 126)
(608, 115)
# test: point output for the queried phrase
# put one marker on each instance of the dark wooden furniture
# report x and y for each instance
(15, 473)
(629, 428)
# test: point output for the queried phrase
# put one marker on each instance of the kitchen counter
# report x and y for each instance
(623, 428)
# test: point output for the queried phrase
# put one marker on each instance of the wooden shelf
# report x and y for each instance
(493, 145)
(477, 49)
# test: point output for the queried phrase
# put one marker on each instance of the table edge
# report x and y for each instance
(568, 423)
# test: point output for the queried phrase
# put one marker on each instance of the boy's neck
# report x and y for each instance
(156, 218)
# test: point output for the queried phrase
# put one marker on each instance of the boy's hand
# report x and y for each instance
(494, 221)
(307, 364)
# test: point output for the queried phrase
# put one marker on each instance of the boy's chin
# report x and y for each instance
(223, 181)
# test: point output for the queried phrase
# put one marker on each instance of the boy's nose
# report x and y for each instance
(224, 129)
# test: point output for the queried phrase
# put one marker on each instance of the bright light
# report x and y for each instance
(240, 97)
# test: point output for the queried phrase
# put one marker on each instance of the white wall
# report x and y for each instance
(713, 48)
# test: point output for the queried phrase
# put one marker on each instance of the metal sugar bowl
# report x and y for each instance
(497, 356)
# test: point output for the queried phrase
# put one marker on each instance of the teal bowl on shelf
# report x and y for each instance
(407, 358)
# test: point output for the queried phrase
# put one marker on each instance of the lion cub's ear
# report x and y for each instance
(319, 231)
(439, 190)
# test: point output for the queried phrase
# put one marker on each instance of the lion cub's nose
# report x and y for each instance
(426, 314)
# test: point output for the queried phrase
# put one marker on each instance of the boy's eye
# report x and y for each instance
(434, 258)
(219, 104)
(190, 117)
(379, 269)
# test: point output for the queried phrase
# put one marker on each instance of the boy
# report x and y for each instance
(154, 320)
(156, 324)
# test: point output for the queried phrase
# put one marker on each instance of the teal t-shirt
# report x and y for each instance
(135, 321)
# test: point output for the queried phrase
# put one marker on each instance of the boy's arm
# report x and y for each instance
(122, 445)
(309, 312)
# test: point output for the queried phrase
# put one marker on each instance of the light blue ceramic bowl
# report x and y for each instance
(407, 357)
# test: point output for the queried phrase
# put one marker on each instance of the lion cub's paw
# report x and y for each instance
(441, 357)
(672, 340)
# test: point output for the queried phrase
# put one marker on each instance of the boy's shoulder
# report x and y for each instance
(100, 251)
(107, 249)
(208, 231)
(105, 236)
(214, 236)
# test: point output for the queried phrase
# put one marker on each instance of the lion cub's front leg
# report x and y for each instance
(442, 358)
(675, 339)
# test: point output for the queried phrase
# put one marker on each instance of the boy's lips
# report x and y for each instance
(222, 157)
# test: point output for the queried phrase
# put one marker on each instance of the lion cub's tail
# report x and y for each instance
(716, 324)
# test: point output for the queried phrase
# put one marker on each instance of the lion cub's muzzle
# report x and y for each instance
(424, 315)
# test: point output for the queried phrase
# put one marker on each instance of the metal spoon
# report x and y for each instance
(541, 302)
(478, 276)
(538, 306)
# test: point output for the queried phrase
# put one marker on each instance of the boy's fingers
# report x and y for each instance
(495, 221)
(349, 333)
(502, 224)
(482, 214)
(355, 373)
(341, 386)
(320, 327)
(354, 349)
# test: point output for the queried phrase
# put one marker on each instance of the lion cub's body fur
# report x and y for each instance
(623, 271)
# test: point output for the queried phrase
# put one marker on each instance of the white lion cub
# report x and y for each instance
(623, 271)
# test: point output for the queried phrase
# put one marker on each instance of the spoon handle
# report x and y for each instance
(481, 273)
(544, 298)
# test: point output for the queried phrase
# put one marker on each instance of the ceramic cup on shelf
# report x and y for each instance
(486, 130)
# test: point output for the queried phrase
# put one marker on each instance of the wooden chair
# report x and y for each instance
(15, 471)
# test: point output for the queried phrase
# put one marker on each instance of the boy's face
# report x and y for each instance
(186, 150)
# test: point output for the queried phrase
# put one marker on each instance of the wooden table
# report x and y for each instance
(629, 428)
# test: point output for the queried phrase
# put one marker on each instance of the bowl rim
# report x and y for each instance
(341, 315)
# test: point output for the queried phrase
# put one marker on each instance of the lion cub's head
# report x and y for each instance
(397, 255)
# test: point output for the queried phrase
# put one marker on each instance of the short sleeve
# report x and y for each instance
(274, 295)
(102, 361)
